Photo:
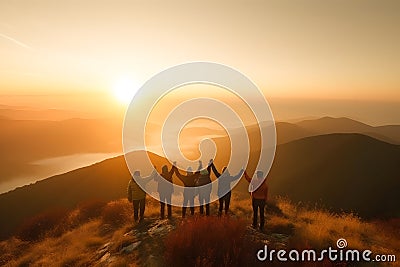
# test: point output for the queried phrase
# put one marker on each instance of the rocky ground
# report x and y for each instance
(144, 244)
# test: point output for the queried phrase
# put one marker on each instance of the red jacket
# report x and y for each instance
(262, 190)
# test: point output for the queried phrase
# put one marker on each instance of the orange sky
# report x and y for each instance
(296, 49)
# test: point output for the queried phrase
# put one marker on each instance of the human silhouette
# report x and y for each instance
(189, 182)
(259, 197)
(165, 189)
(224, 186)
(136, 195)
(204, 184)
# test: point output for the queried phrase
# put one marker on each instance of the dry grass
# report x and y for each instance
(84, 231)
(89, 227)
(116, 213)
(209, 241)
(89, 210)
(319, 229)
(71, 249)
(46, 223)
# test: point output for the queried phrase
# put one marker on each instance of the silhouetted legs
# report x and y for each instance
(258, 204)
(169, 210)
(138, 208)
(207, 209)
(204, 199)
(184, 211)
(165, 199)
(188, 201)
(227, 200)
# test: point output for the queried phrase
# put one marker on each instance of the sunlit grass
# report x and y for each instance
(85, 231)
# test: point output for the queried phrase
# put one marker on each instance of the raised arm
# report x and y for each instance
(237, 176)
(248, 178)
(209, 169)
(152, 176)
(200, 166)
(171, 172)
(178, 174)
(214, 169)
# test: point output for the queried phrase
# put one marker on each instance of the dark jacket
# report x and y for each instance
(164, 181)
(204, 179)
(225, 180)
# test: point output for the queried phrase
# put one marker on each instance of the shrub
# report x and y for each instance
(90, 209)
(37, 226)
(116, 213)
(210, 241)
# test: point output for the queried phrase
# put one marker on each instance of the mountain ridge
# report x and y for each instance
(93, 182)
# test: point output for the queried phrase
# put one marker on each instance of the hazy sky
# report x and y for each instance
(309, 49)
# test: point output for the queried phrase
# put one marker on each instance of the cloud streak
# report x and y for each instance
(15, 41)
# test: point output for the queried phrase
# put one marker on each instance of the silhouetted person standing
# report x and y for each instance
(224, 186)
(137, 196)
(188, 181)
(165, 189)
(204, 184)
(259, 197)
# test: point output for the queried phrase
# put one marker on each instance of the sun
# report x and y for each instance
(124, 89)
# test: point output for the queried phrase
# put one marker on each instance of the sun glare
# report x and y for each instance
(124, 89)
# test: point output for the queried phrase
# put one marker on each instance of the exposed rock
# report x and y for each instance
(105, 257)
(130, 248)
(160, 228)
(130, 233)
(103, 251)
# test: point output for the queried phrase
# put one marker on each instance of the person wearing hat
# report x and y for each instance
(258, 197)
(188, 181)
(136, 195)
(224, 186)
(204, 184)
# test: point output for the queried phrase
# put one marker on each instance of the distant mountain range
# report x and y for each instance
(327, 125)
(23, 142)
(351, 172)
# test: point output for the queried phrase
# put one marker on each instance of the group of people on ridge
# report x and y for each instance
(198, 180)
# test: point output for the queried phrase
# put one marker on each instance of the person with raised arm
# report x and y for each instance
(189, 182)
(136, 195)
(224, 186)
(258, 197)
(165, 189)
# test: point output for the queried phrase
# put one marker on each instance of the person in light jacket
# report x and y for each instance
(137, 196)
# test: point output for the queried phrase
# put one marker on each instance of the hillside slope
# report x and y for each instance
(352, 172)
(109, 238)
(106, 181)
